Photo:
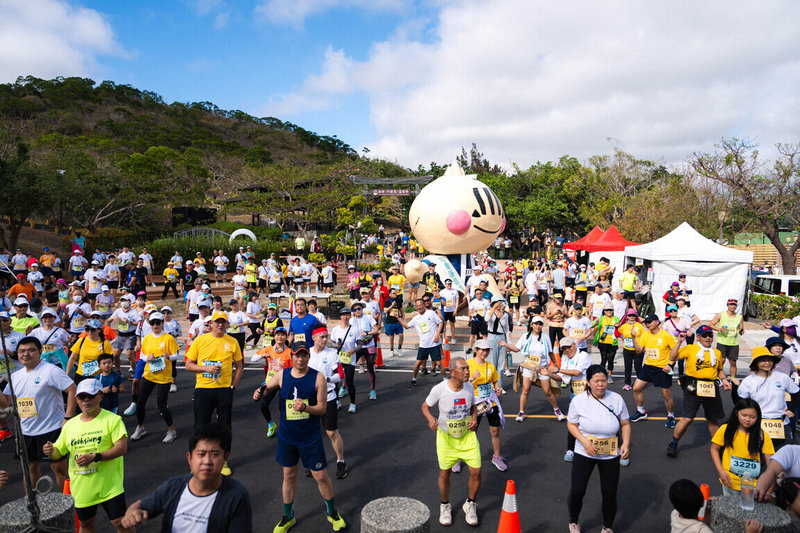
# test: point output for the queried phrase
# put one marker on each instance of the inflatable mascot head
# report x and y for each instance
(456, 214)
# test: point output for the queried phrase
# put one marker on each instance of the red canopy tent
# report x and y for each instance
(611, 241)
(586, 240)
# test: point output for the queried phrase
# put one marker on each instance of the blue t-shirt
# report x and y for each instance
(303, 327)
(110, 401)
(80, 241)
(558, 278)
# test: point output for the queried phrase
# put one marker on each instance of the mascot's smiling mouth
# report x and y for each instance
(487, 231)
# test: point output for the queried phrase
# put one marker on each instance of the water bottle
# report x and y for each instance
(746, 500)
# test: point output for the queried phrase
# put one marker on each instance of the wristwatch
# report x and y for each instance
(98, 457)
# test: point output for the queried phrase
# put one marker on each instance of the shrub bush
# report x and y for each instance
(261, 232)
(773, 308)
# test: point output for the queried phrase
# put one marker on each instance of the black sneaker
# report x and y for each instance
(672, 450)
(308, 472)
(469, 351)
(341, 470)
(635, 417)
(412, 384)
(424, 371)
(433, 372)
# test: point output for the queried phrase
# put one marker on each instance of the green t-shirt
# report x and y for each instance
(628, 281)
(96, 482)
(22, 324)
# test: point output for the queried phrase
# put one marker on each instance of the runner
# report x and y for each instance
(572, 373)
(325, 360)
(578, 327)
(627, 330)
(703, 370)
(303, 393)
(429, 328)
(127, 320)
(598, 301)
(556, 313)
(596, 417)
(366, 328)
(486, 381)
(456, 439)
(95, 278)
(769, 389)
(605, 338)
(393, 311)
(55, 341)
(38, 387)
(451, 299)
(676, 325)
(498, 326)
(23, 321)
(276, 357)
(729, 325)
(220, 267)
(657, 369)
(343, 338)
(159, 351)
(204, 500)
(96, 441)
(213, 358)
(104, 302)
(478, 309)
(86, 351)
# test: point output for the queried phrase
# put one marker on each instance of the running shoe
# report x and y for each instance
(499, 463)
(373, 395)
(138, 433)
(569, 456)
(627, 387)
(559, 414)
(360, 369)
(670, 423)
(284, 525)
(574, 528)
(610, 380)
(433, 371)
(271, 429)
(672, 450)
(131, 410)
(470, 509)
(520, 417)
(352, 408)
(399, 352)
(341, 470)
(173, 388)
(336, 521)
(456, 467)
(5, 434)
(412, 384)
(338, 404)
(226, 470)
(506, 373)
(342, 391)
(624, 462)
(445, 514)
(170, 436)
(308, 472)
(424, 371)
(638, 415)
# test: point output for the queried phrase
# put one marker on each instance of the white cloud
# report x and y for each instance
(294, 12)
(48, 38)
(532, 81)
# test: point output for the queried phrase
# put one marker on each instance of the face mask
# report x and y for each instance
(77, 298)
(126, 304)
(790, 331)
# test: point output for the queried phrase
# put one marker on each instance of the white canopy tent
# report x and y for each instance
(714, 272)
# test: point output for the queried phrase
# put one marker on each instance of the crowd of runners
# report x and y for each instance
(70, 343)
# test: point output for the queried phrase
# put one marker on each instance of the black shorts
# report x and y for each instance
(434, 352)
(274, 287)
(493, 417)
(449, 316)
(262, 284)
(731, 353)
(112, 284)
(656, 376)
(251, 285)
(513, 305)
(629, 295)
(327, 284)
(47, 272)
(34, 445)
(712, 407)
(354, 294)
(478, 327)
(297, 281)
(330, 420)
(92, 295)
(115, 508)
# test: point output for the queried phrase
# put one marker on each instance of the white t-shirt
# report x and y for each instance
(42, 388)
(453, 405)
(275, 275)
(235, 320)
(338, 336)
(577, 328)
(128, 320)
(481, 307)
(530, 283)
(112, 272)
(620, 306)
(192, 513)
(530, 345)
(595, 419)
(78, 322)
(327, 362)
(327, 274)
(364, 324)
(221, 263)
(52, 340)
(596, 302)
(450, 297)
(36, 278)
(147, 260)
(581, 361)
(789, 458)
(94, 280)
(239, 282)
(427, 325)
(125, 258)
(196, 329)
(306, 269)
(320, 318)
(253, 308)
(10, 344)
(768, 392)
(262, 272)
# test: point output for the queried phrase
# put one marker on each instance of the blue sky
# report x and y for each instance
(415, 80)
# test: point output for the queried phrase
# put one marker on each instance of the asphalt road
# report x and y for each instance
(391, 452)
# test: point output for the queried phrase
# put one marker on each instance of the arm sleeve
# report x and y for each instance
(153, 503)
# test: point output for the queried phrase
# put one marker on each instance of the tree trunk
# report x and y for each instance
(3, 243)
(15, 227)
(788, 258)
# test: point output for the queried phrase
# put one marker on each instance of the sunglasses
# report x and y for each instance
(84, 397)
(91, 329)
(155, 322)
(706, 335)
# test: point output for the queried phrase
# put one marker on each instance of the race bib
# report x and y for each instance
(424, 327)
(123, 327)
(393, 312)
(291, 414)
(609, 330)
(211, 375)
(158, 364)
(578, 386)
(26, 407)
(607, 446)
(78, 268)
(628, 342)
(514, 299)
(300, 337)
(103, 308)
(170, 277)
(146, 263)
(480, 311)
(48, 348)
(485, 390)
(93, 284)
(773, 428)
(78, 321)
(533, 361)
(741, 466)
(652, 354)
(90, 368)
(345, 357)
(449, 303)
(577, 333)
(706, 389)
(267, 340)
(457, 428)
(91, 468)
(234, 329)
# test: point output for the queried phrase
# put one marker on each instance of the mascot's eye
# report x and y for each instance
(475, 213)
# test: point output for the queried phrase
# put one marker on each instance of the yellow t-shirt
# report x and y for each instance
(210, 350)
(170, 274)
(160, 370)
(88, 351)
(606, 325)
(485, 383)
(251, 272)
(698, 370)
(656, 348)
(737, 460)
(396, 281)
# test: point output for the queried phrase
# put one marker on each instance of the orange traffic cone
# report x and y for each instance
(69, 493)
(509, 517)
(379, 358)
(446, 354)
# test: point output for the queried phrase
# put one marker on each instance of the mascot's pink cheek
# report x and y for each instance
(503, 227)
(458, 222)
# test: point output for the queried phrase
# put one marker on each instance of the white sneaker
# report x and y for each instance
(610, 380)
(445, 514)
(173, 388)
(360, 369)
(171, 435)
(399, 352)
(139, 433)
(506, 373)
(470, 512)
(574, 528)
(131, 410)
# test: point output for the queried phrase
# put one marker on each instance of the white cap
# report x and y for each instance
(35, 264)
(207, 319)
(205, 286)
(48, 312)
(104, 288)
(155, 316)
(95, 262)
(166, 308)
(89, 386)
(21, 301)
(189, 263)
